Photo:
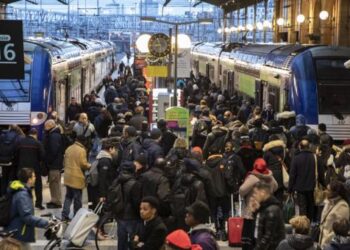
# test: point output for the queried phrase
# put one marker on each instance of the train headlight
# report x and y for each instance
(35, 121)
(347, 64)
(37, 118)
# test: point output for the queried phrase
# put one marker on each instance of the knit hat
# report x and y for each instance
(180, 143)
(260, 166)
(197, 150)
(200, 211)
(180, 240)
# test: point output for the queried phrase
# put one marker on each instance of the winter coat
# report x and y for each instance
(22, 213)
(30, 153)
(110, 94)
(302, 175)
(274, 154)
(107, 173)
(334, 210)
(245, 190)
(132, 194)
(298, 242)
(339, 243)
(75, 163)
(101, 125)
(270, 225)
(153, 234)
(136, 121)
(73, 111)
(193, 182)
(167, 141)
(248, 155)
(154, 151)
(54, 149)
(234, 171)
(130, 149)
(203, 235)
(218, 133)
(201, 129)
(268, 115)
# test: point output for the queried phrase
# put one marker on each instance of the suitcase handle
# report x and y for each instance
(99, 207)
(239, 212)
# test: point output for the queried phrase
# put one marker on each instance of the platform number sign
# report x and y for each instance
(11, 50)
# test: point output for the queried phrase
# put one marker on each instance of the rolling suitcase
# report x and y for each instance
(235, 226)
(80, 227)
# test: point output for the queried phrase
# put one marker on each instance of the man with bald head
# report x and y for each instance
(85, 128)
(302, 178)
(54, 150)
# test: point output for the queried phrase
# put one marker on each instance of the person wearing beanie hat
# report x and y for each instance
(179, 240)
(201, 233)
(260, 173)
(152, 146)
(152, 235)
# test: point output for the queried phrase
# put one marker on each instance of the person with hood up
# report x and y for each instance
(300, 129)
(152, 146)
(260, 173)
(247, 152)
(179, 240)
(129, 219)
(300, 239)
(215, 142)
(341, 240)
(269, 218)
(22, 210)
(54, 150)
(274, 153)
(201, 233)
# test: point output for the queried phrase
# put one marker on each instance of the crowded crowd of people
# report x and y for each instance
(242, 160)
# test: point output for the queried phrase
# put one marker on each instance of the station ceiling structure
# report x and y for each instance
(230, 5)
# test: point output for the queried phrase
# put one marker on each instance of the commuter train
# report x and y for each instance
(312, 80)
(55, 71)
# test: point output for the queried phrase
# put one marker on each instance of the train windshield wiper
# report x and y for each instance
(5, 99)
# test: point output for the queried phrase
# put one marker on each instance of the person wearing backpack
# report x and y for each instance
(201, 129)
(152, 147)
(22, 217)
(85, 128)
(130, 148)
(258, 135)
(168, 137)
(128, 218)
(30, 154)
(75, 163)
(215, 141)
(54, 150)
(8, 145)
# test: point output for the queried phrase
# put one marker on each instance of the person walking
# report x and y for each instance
(75, 163)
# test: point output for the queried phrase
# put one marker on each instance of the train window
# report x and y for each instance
(332, 69)
(220, 69)
(259, 91)
(16, 90)
(224, 77)
(231, 82)
(274, 97)
(211, 72)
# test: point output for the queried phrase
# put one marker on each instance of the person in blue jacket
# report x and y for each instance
(22, 210)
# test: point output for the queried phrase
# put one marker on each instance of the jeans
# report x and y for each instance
(72, 196)
(126, 230)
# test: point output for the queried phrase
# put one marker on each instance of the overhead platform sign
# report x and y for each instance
(11, 50)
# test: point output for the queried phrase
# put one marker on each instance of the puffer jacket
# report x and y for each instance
(203, 235)
(270, 225)
(107, 173)
(298, 242)
(339, 243)
(132, 192)
(75, 163)
(22, 213)
(253, 178)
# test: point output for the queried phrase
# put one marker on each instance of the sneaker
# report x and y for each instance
(39, 206)
(53, 205)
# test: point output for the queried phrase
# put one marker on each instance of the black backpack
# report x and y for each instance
(218, 145)
(180, 199)
(7, 147)
(5, 210)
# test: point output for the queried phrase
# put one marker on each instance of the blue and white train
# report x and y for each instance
(55, 71)
(312, 80)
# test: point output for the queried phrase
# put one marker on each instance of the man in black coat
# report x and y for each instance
(154, 231)
(270, 217)
(129, 148)
(138, 118)
(152, 146)
(30, 154)
(73, 110)
(302, 178)
(168, 137)
(54, 150)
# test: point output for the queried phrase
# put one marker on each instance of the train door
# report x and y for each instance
(259, 92)
(274, 97)
(225, 80)
(231, 82)
(67, 93)
(83, 83)
(207, 69)
(62, 102)
(196, 67)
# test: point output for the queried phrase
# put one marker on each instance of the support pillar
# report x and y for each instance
(277, 14)
(342, 20)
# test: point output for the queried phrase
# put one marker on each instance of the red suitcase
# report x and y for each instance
(235, 228)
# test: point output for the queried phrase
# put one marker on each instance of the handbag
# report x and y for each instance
(319, 194)
(289, 209)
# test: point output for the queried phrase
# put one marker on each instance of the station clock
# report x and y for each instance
(159, 45)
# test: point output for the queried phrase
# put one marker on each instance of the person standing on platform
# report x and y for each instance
(54, 150)
(138, 118)
(73, 109)
(30, 154)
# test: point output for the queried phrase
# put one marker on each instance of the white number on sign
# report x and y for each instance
(9, 53)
